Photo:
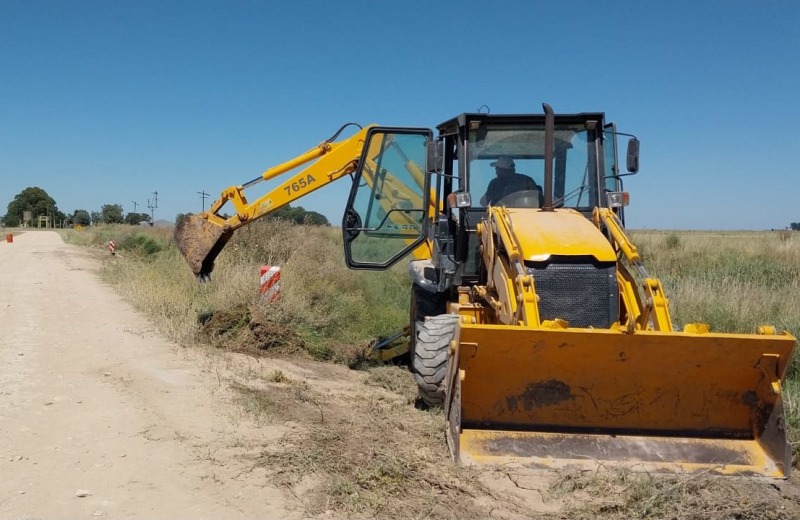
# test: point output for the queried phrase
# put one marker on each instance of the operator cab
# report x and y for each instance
(584, 156)
(413, 192)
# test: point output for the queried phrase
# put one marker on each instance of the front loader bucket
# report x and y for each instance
(675, 402)
(200, 241)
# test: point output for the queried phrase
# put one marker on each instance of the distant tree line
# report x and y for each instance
(297, 215)
(38, 203)
(795, 226)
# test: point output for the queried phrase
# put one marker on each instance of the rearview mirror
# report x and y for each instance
(434, 158)
(633, 155)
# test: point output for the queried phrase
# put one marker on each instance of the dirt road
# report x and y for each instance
(99, 416)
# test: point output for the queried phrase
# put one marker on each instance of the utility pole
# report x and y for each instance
(203, 196)
(152, 205)
(134, 205)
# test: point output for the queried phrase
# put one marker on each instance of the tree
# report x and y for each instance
(111, 214)
(315, 219)
(81, 217)
(135, 219)
(35, 200)
(60, 216)
(299, 215)
(96, 217)
(795, 226)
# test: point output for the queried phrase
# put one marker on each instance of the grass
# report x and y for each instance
(620, 494)
(362, 456)
(373, 456)
(325, 309)
(732, 281)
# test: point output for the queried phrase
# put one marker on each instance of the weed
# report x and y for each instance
(140, 244)
(392, 378)
(278, 377)
(673, 241)
(621, 494)
(256, 403)
(372, 457)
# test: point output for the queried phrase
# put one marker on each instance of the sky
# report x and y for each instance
(109, 102)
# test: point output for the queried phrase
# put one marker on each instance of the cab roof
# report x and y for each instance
(452, 126)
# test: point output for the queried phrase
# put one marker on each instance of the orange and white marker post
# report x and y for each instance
(112, 247)
(270, 282)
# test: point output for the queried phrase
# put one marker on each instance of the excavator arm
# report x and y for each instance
(200, 238)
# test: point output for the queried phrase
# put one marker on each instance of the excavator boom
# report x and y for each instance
(200, 238)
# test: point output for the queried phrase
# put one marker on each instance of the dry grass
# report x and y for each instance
(619, 494)
(325, 309)
(368, 454)
(735, 281)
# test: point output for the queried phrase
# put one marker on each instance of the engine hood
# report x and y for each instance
(562, 232)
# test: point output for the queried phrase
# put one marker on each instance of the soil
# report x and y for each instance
(102, 417)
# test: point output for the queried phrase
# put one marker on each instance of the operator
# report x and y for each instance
(507, 181)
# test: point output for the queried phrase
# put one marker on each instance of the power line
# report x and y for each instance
(203, 195)
(152, 205)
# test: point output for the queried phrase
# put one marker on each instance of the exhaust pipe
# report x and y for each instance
(549, 144)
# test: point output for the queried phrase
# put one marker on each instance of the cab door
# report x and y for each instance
(385, 216)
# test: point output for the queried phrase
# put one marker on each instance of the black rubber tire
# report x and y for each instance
(423, 305)
(431, 355)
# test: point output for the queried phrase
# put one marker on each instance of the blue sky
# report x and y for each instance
(106, 102)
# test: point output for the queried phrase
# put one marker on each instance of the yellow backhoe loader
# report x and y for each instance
(534, 322)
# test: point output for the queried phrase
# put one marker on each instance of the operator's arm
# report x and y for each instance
(489, 190)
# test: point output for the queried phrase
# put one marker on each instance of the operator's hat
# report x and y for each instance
(504, 162)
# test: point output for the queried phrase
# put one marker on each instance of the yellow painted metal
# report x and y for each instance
(563, 232)
(608, 218)
(586, 451)
(530, 235)
(717, 387)
(656, 307)
(390, 353)
(200, 238)
(509, 288)
(650, 312)
(331, 162)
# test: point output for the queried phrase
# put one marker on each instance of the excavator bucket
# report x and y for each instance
(659, 401)
(200, 241)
